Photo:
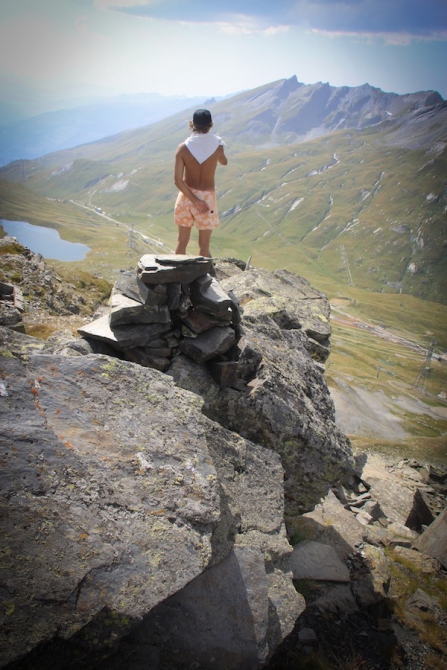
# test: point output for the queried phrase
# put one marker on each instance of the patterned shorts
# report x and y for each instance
(186, 214)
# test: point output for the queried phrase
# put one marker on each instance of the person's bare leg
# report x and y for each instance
(184, 233)
(204, 243)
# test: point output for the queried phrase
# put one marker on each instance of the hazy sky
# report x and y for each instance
(196, 47)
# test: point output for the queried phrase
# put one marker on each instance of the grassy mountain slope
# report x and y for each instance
(369, 190)
(386, 207)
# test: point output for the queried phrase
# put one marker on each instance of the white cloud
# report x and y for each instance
(242, 28)
(340, 16)
(392, 38)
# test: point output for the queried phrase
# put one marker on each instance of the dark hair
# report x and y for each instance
(200, 127)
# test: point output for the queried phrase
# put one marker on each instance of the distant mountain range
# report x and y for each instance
(289, 112)
(52, 131)
(345, 183)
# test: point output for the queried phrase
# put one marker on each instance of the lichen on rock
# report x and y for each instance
(131, 495)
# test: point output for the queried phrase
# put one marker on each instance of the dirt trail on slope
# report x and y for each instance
(362, 412)
(374, 414)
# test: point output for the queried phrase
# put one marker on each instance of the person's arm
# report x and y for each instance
(179, 171)
(221, 155)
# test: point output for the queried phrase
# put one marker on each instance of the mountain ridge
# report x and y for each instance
(304, 112)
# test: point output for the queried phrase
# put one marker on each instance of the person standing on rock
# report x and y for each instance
(196, 160)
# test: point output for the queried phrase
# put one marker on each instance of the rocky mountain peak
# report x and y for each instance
(288, 87)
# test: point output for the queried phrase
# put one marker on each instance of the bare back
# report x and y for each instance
(198, 175)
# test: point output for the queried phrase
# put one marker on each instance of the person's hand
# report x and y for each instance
(201, 206)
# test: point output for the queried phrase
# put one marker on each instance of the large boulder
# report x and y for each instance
(285, 403)
(433, 540)
(116, 493)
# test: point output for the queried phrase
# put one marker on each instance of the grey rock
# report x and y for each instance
(373, 586)
(210, 297)
(92, 509)
(159, 351)
(137, 495)
(10, 317)
(170, 269)
(177, 304)
(184, 306)
(400, 531)
(387, 537)
(433, 540)
(174, 294)
(19, 300)
(117, 492)
(12, 295)
(226, 373)
(124, 310)
(147, 358)
(190, 375)
(314, 560)
(131, 286)
(318, 351)
(187, 621)
(13, 343)
(377, 536)
(359, 500)
(423, 562)
(332, 524)
(65, 344)
(6, 291)
(396, 499)
(209, 344)
(231, 598)
(198, 321)
(247, 595)
(363, 517)
(122, 337)
(420, 514)
(338, 599)
(307, 636)
(421, 601)
(373, 508)
(158, 342)
(236, 308)
(172, 338)
(299, 424)
(289, 300)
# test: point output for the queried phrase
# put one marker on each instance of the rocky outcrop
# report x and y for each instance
(252, 345)
(145, 511)
(145, 504)
(433, 540)
(33, 293)
(286, 405)
(361, 571)
(116, 493)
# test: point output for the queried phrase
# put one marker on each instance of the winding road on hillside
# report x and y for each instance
(378, 331)
(151, 241)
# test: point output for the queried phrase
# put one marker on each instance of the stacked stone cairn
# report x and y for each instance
(172, 304)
